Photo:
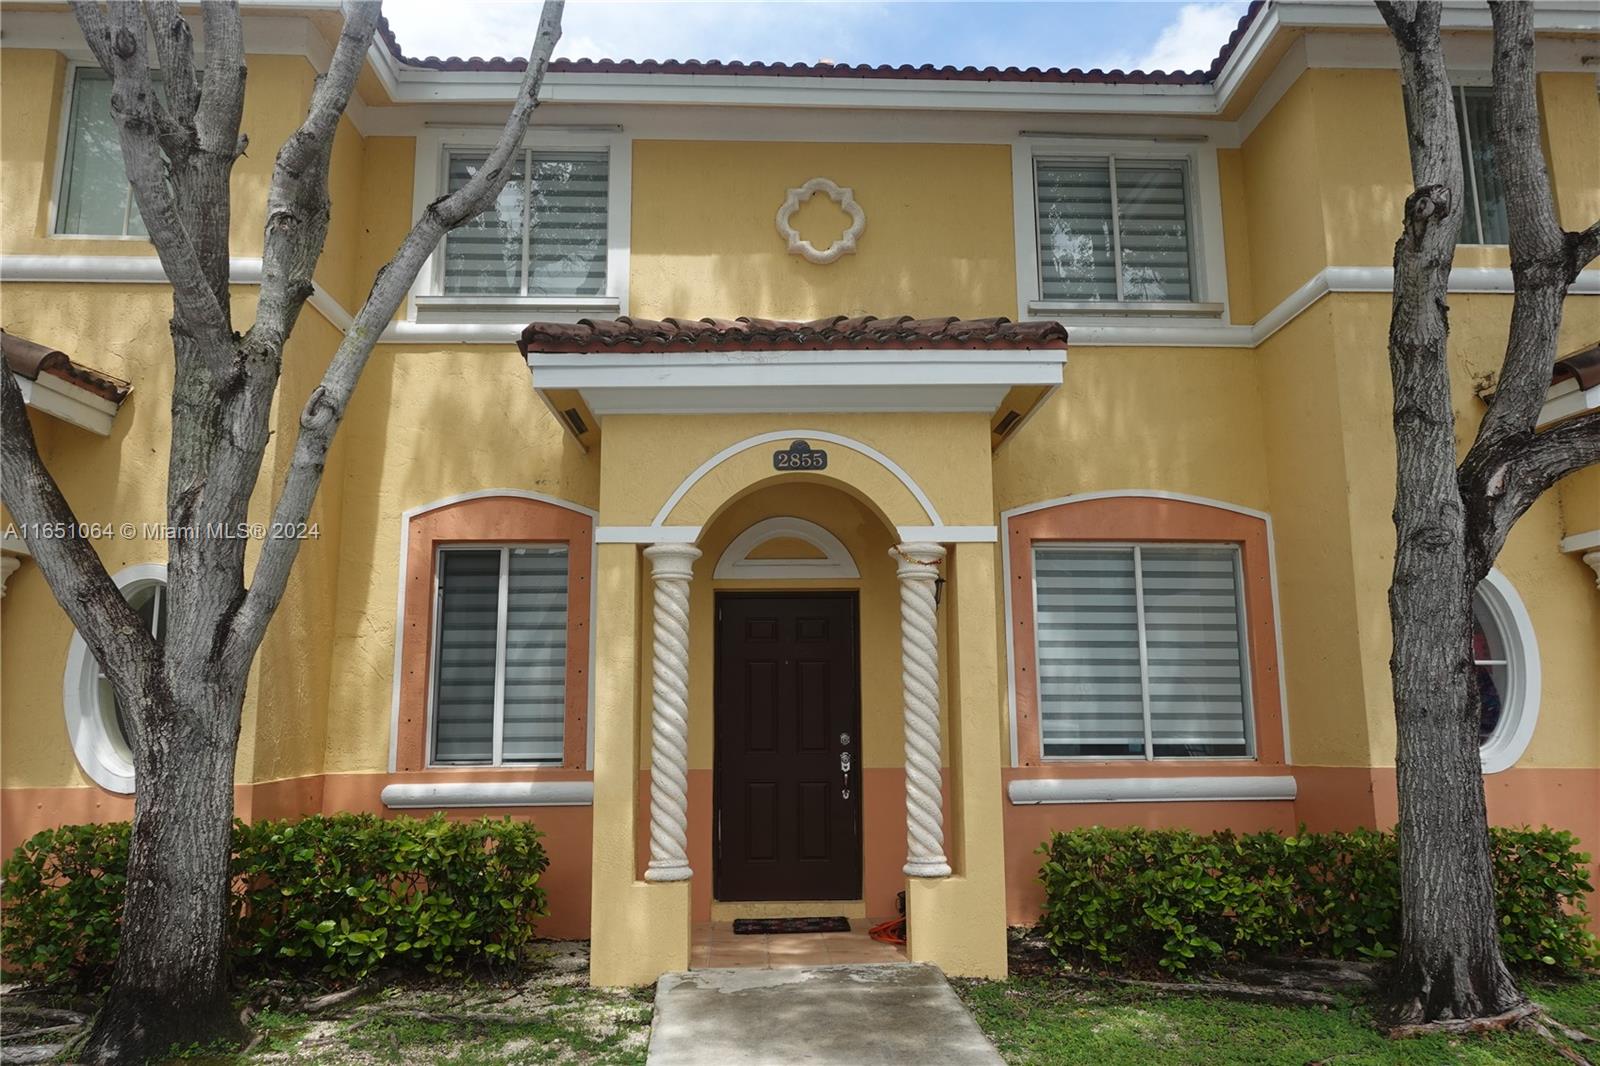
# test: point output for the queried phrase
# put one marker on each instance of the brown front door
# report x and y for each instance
(788, 713)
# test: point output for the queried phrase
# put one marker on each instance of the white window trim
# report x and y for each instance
(1248, 688)
(58, 184)
(1205, 214)
(80, 696)
(430, 182)
(496, 762)
(1519, 713)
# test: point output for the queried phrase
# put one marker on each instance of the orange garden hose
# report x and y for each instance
(891, 932)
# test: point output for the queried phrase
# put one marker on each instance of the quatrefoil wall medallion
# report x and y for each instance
(846, 200)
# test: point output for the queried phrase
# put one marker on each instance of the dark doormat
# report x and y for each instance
(764, 926)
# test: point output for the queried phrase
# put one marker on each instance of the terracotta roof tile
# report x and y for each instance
(1584, 365)
(764, 334)
(926, 72)
(28, 359)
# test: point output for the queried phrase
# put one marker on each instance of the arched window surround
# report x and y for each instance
(1146, 517)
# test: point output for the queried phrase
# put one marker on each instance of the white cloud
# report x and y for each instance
(595, 29)
(1192, 40)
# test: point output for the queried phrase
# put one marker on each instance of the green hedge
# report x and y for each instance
(1181, 900)
(333, 895)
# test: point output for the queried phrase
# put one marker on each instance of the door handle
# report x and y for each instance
(844, 769)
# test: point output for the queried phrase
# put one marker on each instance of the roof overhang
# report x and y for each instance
(53, 384)
(595, 385)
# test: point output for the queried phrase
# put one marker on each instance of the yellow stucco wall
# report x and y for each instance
(1297, 427)
(937, 242)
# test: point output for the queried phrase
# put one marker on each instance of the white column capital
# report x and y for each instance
(669, 561)
(671, 568)
(917, 560)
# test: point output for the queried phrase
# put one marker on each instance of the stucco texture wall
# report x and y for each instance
(425, 424)
(276, 95)
(938, 238)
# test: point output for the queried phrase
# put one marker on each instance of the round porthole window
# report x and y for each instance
(1505, 655)
(94, 720)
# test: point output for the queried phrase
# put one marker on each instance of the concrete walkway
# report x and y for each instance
(880, 1015)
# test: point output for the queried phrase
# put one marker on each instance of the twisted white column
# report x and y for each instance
(919, 675)
(671, 567)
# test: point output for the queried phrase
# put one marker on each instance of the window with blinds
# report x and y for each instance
(544, 236)
(1114, 229)
(500, 660)
(1142, 652)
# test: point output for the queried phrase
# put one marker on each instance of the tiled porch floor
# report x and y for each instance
(715, 945)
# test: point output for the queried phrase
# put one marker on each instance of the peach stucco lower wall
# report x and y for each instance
(1328, 798)
(568, 831)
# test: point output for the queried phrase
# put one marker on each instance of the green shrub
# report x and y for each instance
(337, 896)
(1180, 900)
(61, 901)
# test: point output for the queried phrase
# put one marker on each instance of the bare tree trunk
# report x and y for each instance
(1450, 523)
(182, 697)
(172, 984)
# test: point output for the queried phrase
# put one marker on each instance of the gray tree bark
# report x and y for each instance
(1450, 522)
(182, 698)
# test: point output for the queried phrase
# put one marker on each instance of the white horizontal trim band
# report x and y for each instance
(1034, 790)
(646, 534)
(442, 795)
(1581, 542)
(691, 534)
(247, 271)
(950, 534)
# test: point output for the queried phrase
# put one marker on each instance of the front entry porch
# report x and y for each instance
(797, 691)
(717, 946)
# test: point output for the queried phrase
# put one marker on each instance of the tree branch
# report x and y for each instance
(1539, 248)
(219, 142)
(1507, 483)
(328, 402)
(134, 103)
(113, 630)
(297, 203)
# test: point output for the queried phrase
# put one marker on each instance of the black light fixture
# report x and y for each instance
(938, 589)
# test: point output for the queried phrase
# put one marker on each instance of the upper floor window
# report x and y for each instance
(1484, 220)
(545, 236)
(1114, 228)
(501, 660)
(1142, 651)
(95, 197)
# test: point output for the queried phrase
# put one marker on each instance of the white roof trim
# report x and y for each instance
(69, 402)
(856, 380)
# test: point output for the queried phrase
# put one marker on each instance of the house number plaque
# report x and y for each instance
(800, 456)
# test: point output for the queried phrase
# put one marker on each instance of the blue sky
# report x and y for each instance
(1063, 33)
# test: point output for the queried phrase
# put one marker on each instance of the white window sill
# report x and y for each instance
(512, 310)
(1115, 309)
(443, 795)
(1036, 790)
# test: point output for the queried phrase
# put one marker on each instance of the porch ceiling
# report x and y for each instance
(590, 369)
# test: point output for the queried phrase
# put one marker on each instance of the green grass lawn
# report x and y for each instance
(1039, 1020)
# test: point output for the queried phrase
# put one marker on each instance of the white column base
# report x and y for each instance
(927, 869)
(668, 872)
